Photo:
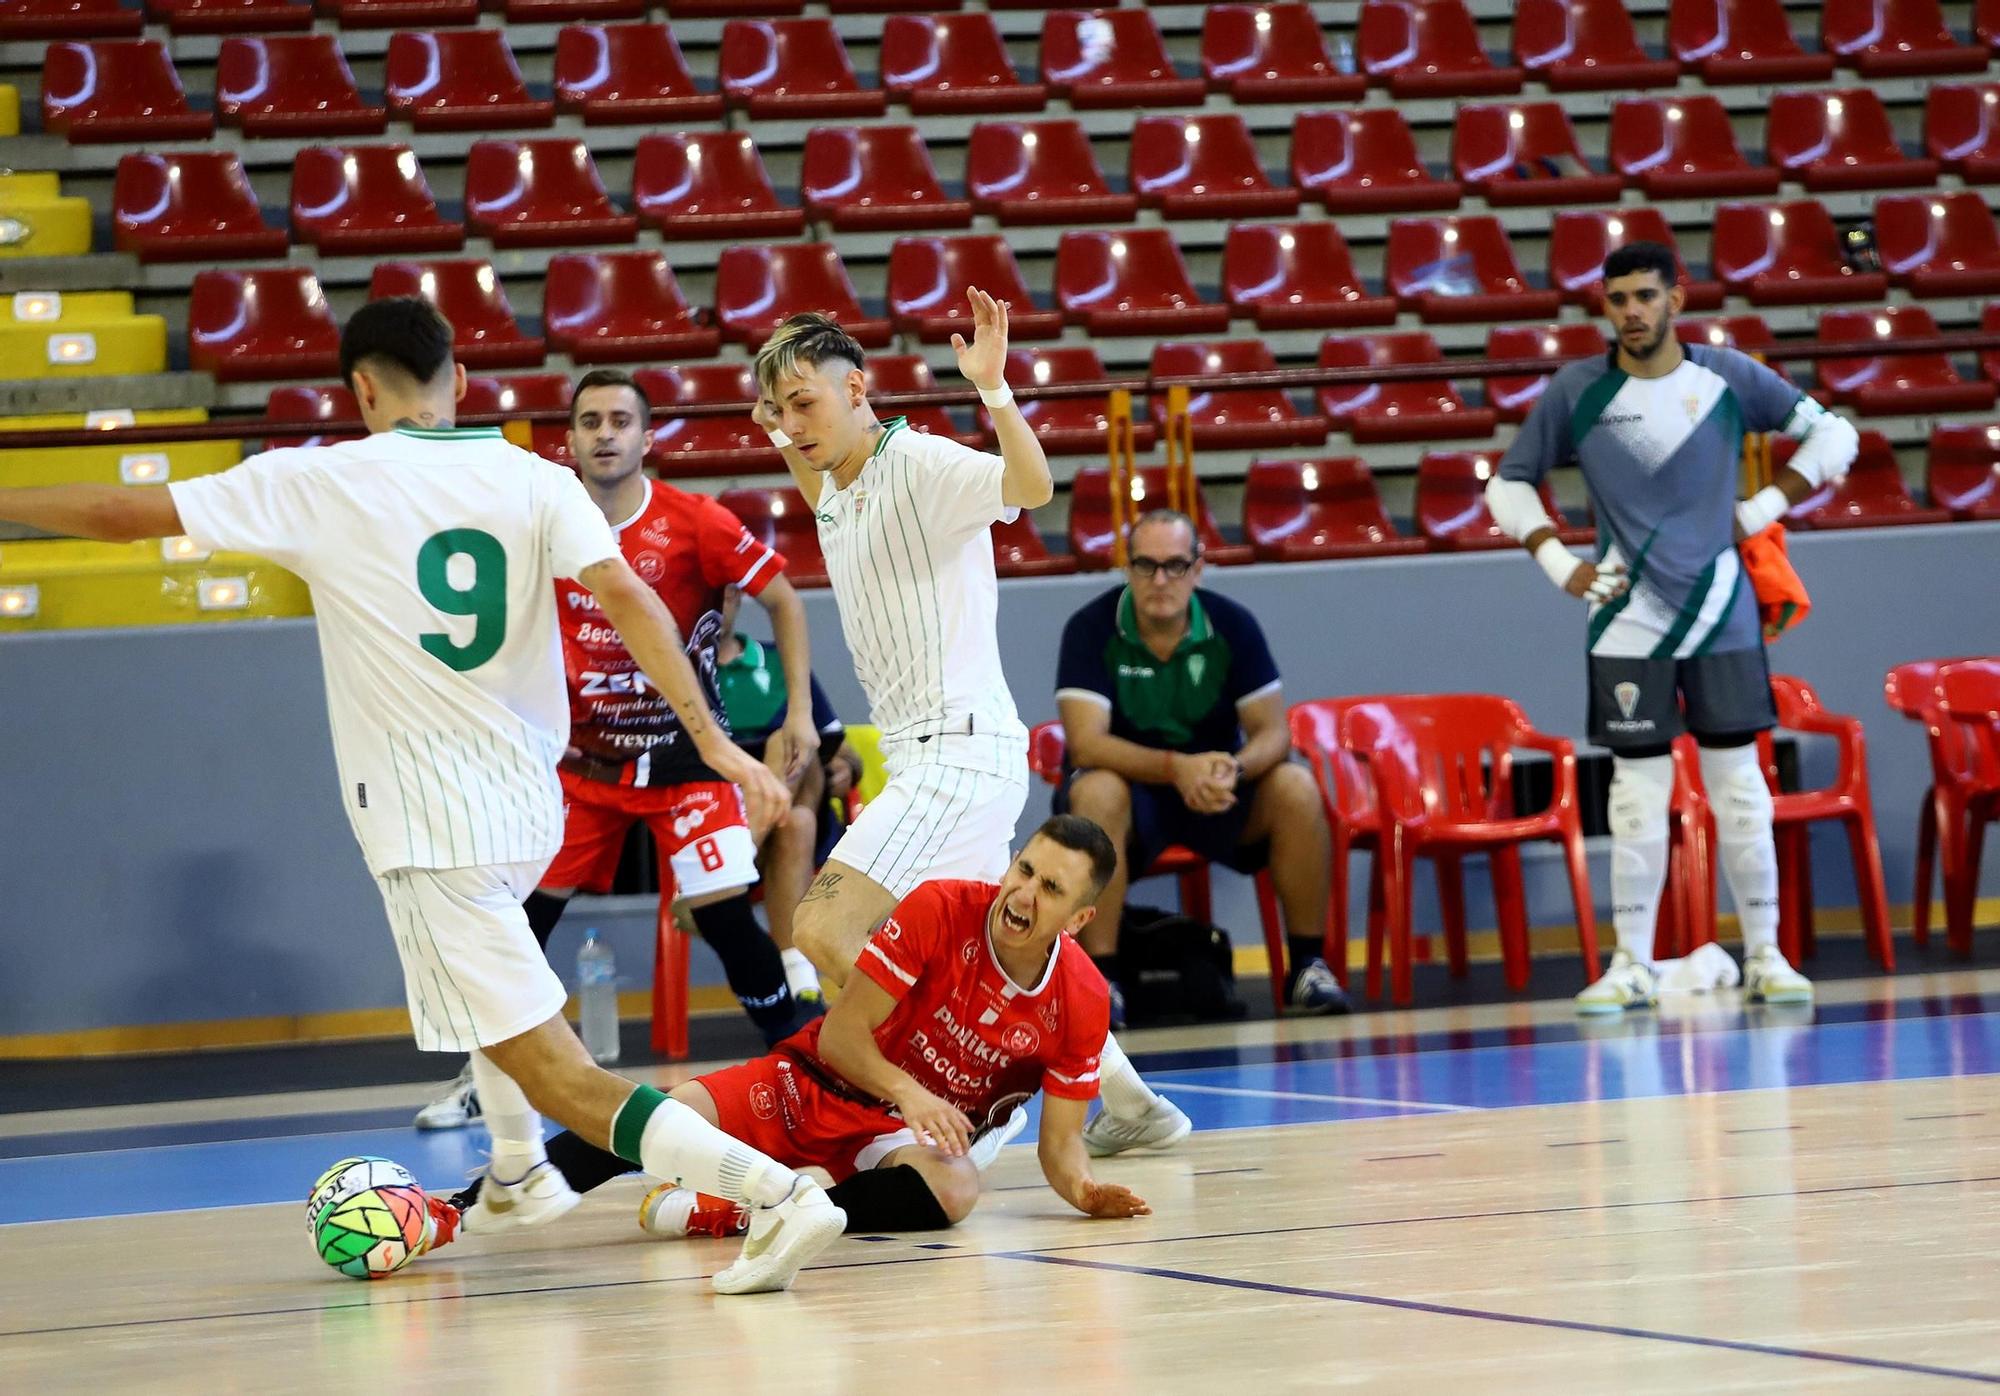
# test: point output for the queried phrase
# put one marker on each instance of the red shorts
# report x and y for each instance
(773, 1104)
(703, 836)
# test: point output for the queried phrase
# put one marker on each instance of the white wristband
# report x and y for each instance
(1559, 562)
(1761, 510)
(996, 398)
(778, 438)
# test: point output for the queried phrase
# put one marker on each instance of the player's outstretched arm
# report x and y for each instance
(847, 1044)
(1066, 1164)
(1026, 483)
(107, 513)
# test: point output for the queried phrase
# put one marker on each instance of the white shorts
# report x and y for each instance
(931, 822)
(472, 971)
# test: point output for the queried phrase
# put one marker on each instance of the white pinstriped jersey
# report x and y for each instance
(432, 557)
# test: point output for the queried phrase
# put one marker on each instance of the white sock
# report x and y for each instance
(1125, 1095)
(672, 1142)
(1641, 791)
(1749, 855)
(515, 1126)
(800, 976)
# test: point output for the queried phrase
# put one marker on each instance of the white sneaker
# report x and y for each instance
(1627, 984)
(539, 1196)
(1707, 968)
(1161, 1127)
(781, 1240)
(986, 1148)
(456, 1108)
(1769, 978)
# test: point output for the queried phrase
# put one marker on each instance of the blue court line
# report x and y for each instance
(1493, 1316)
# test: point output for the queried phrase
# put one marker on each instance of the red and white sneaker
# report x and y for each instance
(673, 1211)
(444, 1223)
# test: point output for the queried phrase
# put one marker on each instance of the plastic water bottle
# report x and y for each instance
(597, 993)
(1343, 54)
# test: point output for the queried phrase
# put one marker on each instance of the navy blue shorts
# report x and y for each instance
(1161, 819)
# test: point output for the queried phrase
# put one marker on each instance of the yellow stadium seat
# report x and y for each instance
(58, 307)
(84, 348)
(114, 464)
(867, 744)
(10, 110)
(51, 228)
(63, 584)
(28, 186)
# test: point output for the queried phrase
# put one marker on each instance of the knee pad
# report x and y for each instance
(1736, 791)
(1641, 791)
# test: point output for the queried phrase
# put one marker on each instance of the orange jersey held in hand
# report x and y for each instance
(1782, 600)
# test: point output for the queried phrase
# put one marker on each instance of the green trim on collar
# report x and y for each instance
(452, 433)
(1198, 632)
(889, 429)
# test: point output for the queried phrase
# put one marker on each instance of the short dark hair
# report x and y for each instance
(404, 332)
(1164, 515)
(1642, 256)
(806, 340)
(609, 378)
(1073, 831)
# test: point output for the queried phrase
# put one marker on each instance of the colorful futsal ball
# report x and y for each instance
(368, 1217)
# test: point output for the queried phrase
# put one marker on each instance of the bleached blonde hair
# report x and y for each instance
(802, 342)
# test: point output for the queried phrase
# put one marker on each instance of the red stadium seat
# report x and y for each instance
(1989, 359)
(264, 323)
(758, 287)
(193, 206)
(1580, 240)
(708, 184)
(1451, 503)
(1894, 38)
(367, 200)
(1512, 397)
(1404, 409)
(398, 14)
(883, 7)
(1305, 511)
(1786, 254)
(714, 9)
(1741, 41)
(459, 80)
(1272, 52)
(291, 85)
(1364, 160)
(1428, 48)
(1841, 140)
(1018, 551)
(1090, 531)
(1068, 426)
(525, 392)
(1454, 270)
(620, 307)
(332, 403)
(1236, 418)
(1297, 275)
(1938, 245)
(1965, 787)
(627, 75)
(1683, 147)
(1986, 23)
(1525, 153)
(868, 178)
(1964, 470)
(725, 445)
(792, 67)
(1745, 332)
(953, 63)
(69, 19)
(1132, 281)
(1202, 167)
(467, 293)
(1112, 58)
(232, 16)
(117, 91)
(1962, 129)
(928, 277)
(1585, 46)
(908, 373)
(1871, 495)
(780, 519)
(556, 11)
(1894, 384)
(540, 193)
(1026, 172)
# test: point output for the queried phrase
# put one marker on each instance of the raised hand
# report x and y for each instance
(984, 361)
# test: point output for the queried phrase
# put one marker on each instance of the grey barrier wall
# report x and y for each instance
(171, 849)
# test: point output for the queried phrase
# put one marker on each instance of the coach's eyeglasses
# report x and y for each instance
(1147, 568)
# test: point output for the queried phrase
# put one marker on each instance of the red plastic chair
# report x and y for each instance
(1458, 270)
(1585, 46)
(1202, 167)
(779, 519)
(908, 373)
(367, 200)
(759, 288)
(1442, 767)
(1112, 58)
(1364, 160)
(1938, 245)
(1131, 282)
(1745, 332)
(1091, 533)
(720, 9)
(459, 80)
(928, 277)
(1963, 474)
(1451, 504)
(620, 307)
(1297, 276)
(1986, 22)
(1405, 409)
(1026, 172)
(1964, 793)
(1687, 917)
(399, 14)
(1968, 694)
(526, 392)
(938, 63)
(1354, 818)
(555, 11)
(1190, 869)
(117, 91)
(1252, 418)
(792, 67)
(1840, 140)
(1741, 41)
(69, 19)
(1068, 426)
(270, 322)
(708, 184)
(1989, 359)
(628, 75)
(1428, 48)
(1872, 495)
(1786, 254)
(1962, 129)
(1018, 551)
(1512, 398)
(193, 206)
(1525, 153)
(291, 85)
(695, 446)
(332, 403)
(1683, 147)
(232, 16)
(1894, 384)
(1894, 38)
(866, 178)
(467, 293)
(540, 193)
(1272, 53)
(1312, 510)
(1580, 240)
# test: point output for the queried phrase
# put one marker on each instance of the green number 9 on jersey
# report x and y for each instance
(485, 600)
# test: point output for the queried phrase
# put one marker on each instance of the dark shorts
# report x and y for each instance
(1161, 819)
(1648, 702)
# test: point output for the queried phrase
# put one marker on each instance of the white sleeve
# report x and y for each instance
(957, 488)
(263, 506)
(577, 537)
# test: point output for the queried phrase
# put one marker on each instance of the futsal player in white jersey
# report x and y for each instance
(904, 520)
(432, 553)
